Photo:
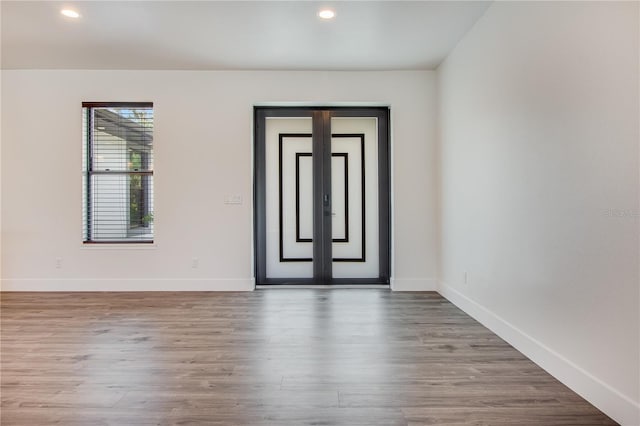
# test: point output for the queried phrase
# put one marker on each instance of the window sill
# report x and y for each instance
(119, 246)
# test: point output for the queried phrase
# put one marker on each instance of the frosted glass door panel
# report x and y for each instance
(289, 200)
(354, 187)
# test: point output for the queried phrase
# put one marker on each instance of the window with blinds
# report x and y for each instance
(118, 172)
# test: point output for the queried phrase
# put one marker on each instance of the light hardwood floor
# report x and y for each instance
(272, 357)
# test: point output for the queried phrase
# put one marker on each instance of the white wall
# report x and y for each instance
(203, 139)
(539, 135)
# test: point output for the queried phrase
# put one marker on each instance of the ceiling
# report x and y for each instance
(215, 35)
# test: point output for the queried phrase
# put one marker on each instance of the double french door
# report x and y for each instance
(322, 196)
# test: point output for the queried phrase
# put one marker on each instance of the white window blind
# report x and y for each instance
(118, 172)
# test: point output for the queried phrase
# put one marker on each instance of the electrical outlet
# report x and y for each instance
(58, 262)
(195, 262)
(233, 199)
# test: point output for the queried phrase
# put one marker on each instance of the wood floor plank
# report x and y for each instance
(285, 357)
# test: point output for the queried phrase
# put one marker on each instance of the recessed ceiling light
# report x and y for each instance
(327, 14)
(70, 13)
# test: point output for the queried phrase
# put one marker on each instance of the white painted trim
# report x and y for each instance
(414, 284)
(129, 284)
(304, 104)
(612, 402)
(252, 205)
(295, 104)
(118, 246)
(392, 197)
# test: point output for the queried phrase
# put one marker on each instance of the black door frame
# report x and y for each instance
(321, 157)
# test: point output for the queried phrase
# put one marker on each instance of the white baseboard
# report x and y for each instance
(414, 284)
(610, 401)
(129, 284)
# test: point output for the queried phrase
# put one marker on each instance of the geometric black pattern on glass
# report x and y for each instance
(362, 258)
(281, 137)
(344, 239)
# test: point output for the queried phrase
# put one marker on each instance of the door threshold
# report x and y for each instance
(320, 286)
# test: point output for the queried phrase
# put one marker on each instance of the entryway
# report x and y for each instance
(322, 203)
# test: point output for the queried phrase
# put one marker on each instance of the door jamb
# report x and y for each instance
(322, 270)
